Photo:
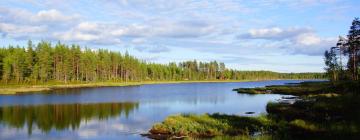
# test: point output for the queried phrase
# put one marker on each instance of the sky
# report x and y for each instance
(276, 35)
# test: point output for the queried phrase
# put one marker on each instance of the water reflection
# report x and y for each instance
(61, 116)
(113, 113)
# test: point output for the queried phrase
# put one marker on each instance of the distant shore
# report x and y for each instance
(27, 88)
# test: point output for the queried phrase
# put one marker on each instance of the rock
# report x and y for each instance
(249, 112)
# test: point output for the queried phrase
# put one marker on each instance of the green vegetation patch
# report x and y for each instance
(323, 110)
(304, 88)
(318, 117)
(211, 125)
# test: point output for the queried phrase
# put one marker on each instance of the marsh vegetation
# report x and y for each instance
(331, 114)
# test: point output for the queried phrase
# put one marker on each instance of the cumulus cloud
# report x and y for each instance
(22, 24)
(17, 29)
(74, 35)
(114, 32)
(20, 31)
(274, 33)
(167, 29)
(294, 40)
(84, 31)
(52, 15)
(310, 44)
(22, 16)
(88, 26)
(307, 39)
(183, 29)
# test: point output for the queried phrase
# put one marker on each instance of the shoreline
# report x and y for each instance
(25, 89)
(323, 111)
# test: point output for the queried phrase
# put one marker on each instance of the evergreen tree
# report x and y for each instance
(44, 56)
(354, 48)
(332, 64)
(62, 63)
(29, 62)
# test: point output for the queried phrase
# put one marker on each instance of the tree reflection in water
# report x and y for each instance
(61, 116)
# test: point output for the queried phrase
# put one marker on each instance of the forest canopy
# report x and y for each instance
(342, 60)
(44, 62)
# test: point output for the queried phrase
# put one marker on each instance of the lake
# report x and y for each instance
(121, 112)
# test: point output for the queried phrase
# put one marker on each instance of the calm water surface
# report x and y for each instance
(120, 112)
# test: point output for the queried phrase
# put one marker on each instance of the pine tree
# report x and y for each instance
(7, 68)
(332, 64)
(45, 60)
(46, 63)
(29, 61)
(354, 47)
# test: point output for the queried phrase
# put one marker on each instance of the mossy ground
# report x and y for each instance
(206, 126)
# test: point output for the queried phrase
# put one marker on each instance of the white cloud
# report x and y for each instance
(114, 32)
(88, 26)
(182, 30)
(20, 31)
(43, 17)
(76, 36)
(52, 15)
(91, 32)
(293, 40)
(308, 39)
(14, 15)
(274, 33)
(22, 24)
(311, 44)
(167, 29)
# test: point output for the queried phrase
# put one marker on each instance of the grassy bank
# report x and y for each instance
(330, 116)
(205, 126)
(323, 111)
(14, 89)
(305, 88)
(26, 88)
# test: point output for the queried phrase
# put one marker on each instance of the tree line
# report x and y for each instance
(44, 62)
(342, 60)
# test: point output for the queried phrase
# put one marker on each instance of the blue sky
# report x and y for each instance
(277, 35)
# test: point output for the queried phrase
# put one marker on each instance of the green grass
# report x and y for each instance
(304, 88)
(211, 125)
(243, 137)
(14, 89)
(333, 115)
